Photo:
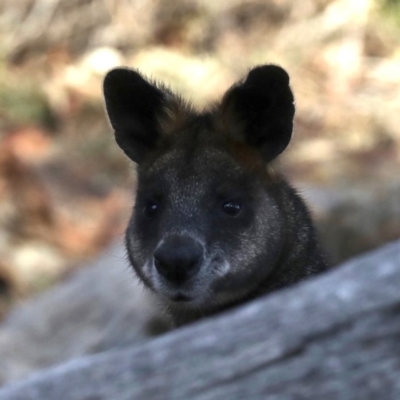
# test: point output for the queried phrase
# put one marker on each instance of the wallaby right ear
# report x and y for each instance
(259, 110)
(134, 107)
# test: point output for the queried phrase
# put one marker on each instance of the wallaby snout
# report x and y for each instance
(178, 258)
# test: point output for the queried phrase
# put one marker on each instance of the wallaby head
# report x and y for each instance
(212, 225)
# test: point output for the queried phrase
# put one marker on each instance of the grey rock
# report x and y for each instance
(352, 220)
(332, 337)
(100, 307)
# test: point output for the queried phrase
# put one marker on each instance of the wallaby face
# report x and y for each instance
(212, 225)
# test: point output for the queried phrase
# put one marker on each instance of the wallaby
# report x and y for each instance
(213, 224)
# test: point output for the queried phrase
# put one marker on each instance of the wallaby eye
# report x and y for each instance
(150, 209)
(231, 208)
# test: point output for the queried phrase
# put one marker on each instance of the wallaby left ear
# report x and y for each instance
(260, 110)
(133, 105)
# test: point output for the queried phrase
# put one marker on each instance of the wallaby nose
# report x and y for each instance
(178, 258)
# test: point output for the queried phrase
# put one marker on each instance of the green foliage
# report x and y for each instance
(22, 104)
(390, 9)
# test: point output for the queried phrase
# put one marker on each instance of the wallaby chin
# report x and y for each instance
(213, 226)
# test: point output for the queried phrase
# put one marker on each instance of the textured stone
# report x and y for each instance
(100, 307)
(332, 337)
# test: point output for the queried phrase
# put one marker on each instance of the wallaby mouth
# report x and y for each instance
(181, 298)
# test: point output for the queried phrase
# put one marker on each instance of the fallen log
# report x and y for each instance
(333, 337)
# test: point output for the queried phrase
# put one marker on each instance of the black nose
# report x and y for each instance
(178, 258)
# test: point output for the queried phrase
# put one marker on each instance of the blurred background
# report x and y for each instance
(66, 189)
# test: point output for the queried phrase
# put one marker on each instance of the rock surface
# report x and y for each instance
(332, 337)
(98, 308)
(353, 220)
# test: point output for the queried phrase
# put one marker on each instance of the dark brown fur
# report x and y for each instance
(214, 225)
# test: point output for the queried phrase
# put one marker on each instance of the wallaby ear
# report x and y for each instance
(260, 110)
(136, 108)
